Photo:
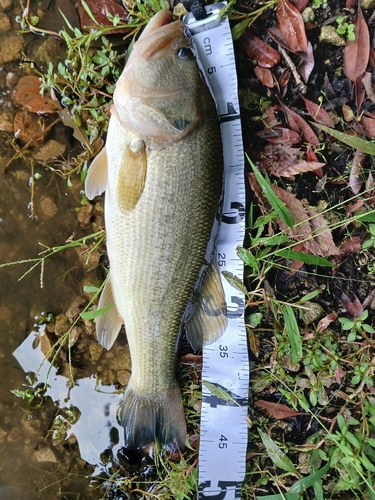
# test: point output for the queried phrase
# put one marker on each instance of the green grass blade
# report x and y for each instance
(95, 313)
(350, 140)
(276, 204)
(303, 257)
(308, 481)
(277, 456)
(293, 332)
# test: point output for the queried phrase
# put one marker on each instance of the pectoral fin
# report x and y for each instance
(132, 176)
(109, 323)
(96, 180)
(209, 319)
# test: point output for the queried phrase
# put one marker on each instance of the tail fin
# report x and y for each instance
(147, 420)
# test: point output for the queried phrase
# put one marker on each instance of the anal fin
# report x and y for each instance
(108, 324)
(209, 320)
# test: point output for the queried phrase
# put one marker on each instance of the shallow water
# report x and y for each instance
(33, 462)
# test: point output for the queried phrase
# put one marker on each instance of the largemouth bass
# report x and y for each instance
(162, 170)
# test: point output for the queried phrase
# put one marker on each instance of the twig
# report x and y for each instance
(302, 87)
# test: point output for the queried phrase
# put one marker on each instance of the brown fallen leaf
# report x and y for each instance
(357, 52)
(265, 77)
(310, 228)
(368, 125)
(353, 305)
(98, 10)
(351, 245)
(307, 63)
(367, 82)
(277, 410)
(298, 124)
(27, 126)
(278, 37)
(270, 117)
(318, 113)
(356, 172)
(285, 77)
(326, 321)
(280, 135)
(284, 161)
(255, 48)
(27, 95)
(300, 4)
(292, 26)
(359, 94)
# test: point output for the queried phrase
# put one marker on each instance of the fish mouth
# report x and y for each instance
(164, 32)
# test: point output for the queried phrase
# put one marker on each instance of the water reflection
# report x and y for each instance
(96, 428)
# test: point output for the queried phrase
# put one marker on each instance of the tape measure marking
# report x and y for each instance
(223, 443)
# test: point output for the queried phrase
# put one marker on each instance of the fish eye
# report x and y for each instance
(185, 53)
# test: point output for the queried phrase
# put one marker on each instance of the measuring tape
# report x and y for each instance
(223, 442)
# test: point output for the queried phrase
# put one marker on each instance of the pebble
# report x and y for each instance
(5, 24)
(48, 207)
(51, 149)
(328, 34)
(5, 5)
(368, 4)
(45, 454)
(14, 435)
(62, 325)
(11, 48)
(313, 312)
(6, 122)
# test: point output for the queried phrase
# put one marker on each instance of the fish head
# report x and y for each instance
(158, 94)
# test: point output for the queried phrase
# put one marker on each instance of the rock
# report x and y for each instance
(121, 361)
(50, 50)
(328, 34)
(51, 149)
(5, 5)
(62, 325)
(45, 454)
(84, 214)
(95, 351)
(308, 15)
(367, 4)
(11, 48)
(123, 377)
(5, 24)
(286, 362)
(14, 435)
(313, 312)
(48, 207)
(2, 435)
(74, 335)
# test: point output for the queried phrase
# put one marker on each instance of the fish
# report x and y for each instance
(162, 173)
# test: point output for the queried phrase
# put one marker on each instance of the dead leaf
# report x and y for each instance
(310, 227)
(339, 374)
(27, 126)
(270, 118)
(27, 95)
(292, 26)
(298, 124)
(277, 410)
(280, 135)
(318, 113)
(265, 77)
(284, 161)
(368, 125)
(255, 48)
(357, 52)
(285, 77)
(367, 82)
(98, 10)
(300, 4)
(359, 93)
(326, 321)
(307, 63)
(351, 245)
(356, 172)
(354, 306)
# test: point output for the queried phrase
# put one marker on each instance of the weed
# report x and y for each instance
(344, 28)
